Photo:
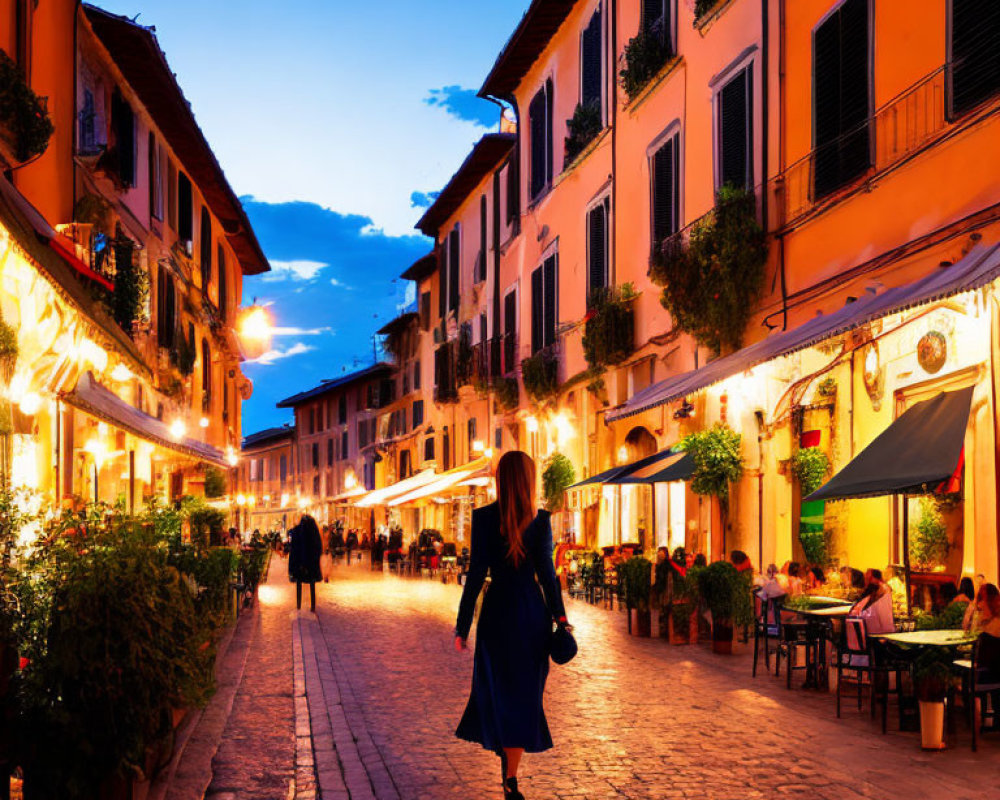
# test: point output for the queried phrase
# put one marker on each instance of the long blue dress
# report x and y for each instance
(512, 638)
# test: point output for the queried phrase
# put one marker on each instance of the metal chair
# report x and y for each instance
(981, 681)
(767, 627)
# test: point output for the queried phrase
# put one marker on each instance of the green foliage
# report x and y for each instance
(8, 341)
(608, 334)
(726, 592)
(711, 282)
(464, 355)
(827, 387)
(507, 392)
(113, 640)
(556, 477)
(582, 129)
(215, 481)
(252, 563)
(634, 575)
(718, 460)
(949, 619)
(128, 300)
(645, 54)
(932, 669)
(540, 375)
(206, 525)
(22, 112)
(810, 466)
(816, 545)
(184, 353)
(929, 544)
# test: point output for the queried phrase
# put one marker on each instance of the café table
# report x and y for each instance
(821, 619)
(932, 638)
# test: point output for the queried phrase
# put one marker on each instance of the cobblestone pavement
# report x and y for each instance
(630, 717)
(256, 757)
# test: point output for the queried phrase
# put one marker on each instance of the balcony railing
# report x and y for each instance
(893, 132)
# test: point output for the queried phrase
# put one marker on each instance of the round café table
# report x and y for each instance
(936, 638)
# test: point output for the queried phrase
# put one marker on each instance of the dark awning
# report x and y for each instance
(94, 399)
(616, 475)
(978, 268)
(678, 467)
(916, 454)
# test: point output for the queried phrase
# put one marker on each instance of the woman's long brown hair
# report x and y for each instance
(516, 498)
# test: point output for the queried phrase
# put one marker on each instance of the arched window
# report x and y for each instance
(206, 249)
(206, 375)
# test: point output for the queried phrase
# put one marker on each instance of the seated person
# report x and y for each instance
(814, 580)
(983, 616)
(795, 587)
(875, 605)
(966, 590)
(771, 586)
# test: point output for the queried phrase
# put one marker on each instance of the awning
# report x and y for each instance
(914, 455)
(678, 467)
(978, 268)
(616, 475)
(350, 494)
(89, 396)
(444, 483)
(379, 496)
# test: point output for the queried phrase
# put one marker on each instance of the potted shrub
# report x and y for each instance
(720, 584)
(683, 624)
(718, 462)
(931, 674)
(557, 476)
(635, 575)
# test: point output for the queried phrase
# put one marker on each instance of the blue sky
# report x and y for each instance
(336, 121)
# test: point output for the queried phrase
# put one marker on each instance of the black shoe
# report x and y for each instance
(510, 791)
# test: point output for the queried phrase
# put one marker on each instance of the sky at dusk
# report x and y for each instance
(335, 122)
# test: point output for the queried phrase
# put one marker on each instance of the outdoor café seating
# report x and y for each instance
(981, 683)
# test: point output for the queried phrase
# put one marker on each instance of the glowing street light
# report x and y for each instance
(121, 373)
(177, 429)
(203, 422)
(255, 330)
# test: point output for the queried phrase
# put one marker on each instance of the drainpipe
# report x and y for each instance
(764, 39)
(613, 102)
(782, 109)
(759, 416)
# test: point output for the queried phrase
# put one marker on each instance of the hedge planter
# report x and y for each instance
(722, 636)
(683, 624)
(642, 622)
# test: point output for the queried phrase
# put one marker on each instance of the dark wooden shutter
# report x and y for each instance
(591, 62)
(454, 260)
(841, 97)
(151, 167)
(206, 249)
(482, 239)
(442, 253)
(509, 330)
(185, 208)
(206, 371)
(513, 188)
(975, 52)
(665, 185)
(123, 122)
(537, 127)
(537, 304)
(551, 307)
(549, 106)
(597, 233)
(736, 130)
(223, 288)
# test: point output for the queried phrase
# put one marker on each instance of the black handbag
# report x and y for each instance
(563, 647)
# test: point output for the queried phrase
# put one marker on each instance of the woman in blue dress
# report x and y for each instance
(513, 544)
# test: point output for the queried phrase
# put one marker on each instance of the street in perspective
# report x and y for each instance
(569, 399)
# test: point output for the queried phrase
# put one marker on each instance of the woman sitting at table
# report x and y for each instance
(795, 587)
(983, 616)
(966, 591)
(875, 605)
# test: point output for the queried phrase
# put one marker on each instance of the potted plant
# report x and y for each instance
(718, 462)
(557, 476)
(635, 576)
(931, 673)
(720, 584)
(683, 624)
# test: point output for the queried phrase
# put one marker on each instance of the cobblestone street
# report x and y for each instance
(630, 717)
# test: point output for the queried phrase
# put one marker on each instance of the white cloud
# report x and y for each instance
(276, 355)
(297, 269)
(284, 331)
(339, 284)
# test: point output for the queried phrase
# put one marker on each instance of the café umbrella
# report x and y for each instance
(921, 452)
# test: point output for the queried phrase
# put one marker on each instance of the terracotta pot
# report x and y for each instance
(932, 725)
(722, 637)
(690, 636)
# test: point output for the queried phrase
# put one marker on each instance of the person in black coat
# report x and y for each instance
(304, 550)
(513, 543)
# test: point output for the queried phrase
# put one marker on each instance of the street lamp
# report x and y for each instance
(254, 328)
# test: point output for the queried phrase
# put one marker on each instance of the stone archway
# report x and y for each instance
(639, 444)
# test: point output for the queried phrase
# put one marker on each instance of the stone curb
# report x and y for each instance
(305, 787)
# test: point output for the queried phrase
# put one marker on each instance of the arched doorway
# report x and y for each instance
(635, 503)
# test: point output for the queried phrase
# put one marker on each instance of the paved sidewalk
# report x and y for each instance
(630, 717)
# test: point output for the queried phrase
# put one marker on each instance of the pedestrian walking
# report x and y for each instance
(304, 549)
(513, 543)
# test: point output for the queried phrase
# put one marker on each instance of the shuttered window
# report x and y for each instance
(206, 374)
(597, 247)
(509, 330)
(841, 98)
(513, 190)
(734, 127)
(540, 126)
(343, 445)
(544, 313)
(223, 289)
(342, 410)
(975, 52)
(206, 249)
(454, 261)
(592, 62)
(123, 123)
(665, 177)
(185, 209)
(429, 448)
(657, 18)
(418, 413)
(166, 322)
(481, 263)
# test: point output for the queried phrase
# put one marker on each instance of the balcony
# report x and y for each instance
(898, 130)
(25, 126)
(540, 374)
